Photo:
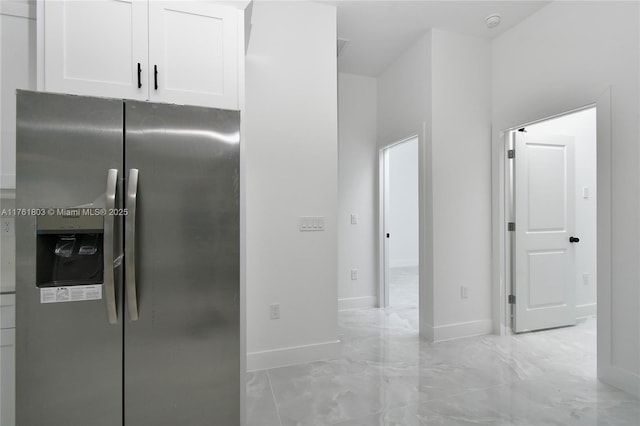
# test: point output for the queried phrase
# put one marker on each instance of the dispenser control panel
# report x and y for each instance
(69, 254)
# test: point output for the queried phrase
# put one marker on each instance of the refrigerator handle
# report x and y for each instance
(130, 245)
(109, 285)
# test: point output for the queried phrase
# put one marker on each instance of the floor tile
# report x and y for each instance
(261, 406)
(387, 375)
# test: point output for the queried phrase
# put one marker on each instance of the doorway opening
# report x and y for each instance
(400, 245)
(551, 217)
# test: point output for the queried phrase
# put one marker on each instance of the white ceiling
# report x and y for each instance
(378, 31)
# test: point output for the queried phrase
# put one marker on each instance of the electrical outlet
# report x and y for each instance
(354, 274)
(6, 226)
(585, 279)
(354, 219)
(464, 292)
(275, 311)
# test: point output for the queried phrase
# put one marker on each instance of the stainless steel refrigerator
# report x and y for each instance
(127, 275)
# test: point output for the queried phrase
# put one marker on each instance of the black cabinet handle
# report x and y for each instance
(139, 76)
(574, 240)
(155, 76)
(388, 235)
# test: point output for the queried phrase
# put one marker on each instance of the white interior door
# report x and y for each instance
(545, 222)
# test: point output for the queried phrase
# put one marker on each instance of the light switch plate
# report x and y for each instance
(464, 292)
(274, 311)
(311, 223)
(354, 274)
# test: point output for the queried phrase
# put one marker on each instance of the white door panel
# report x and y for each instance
(545, 219)
(546, 188)
(93, 48)
(194, 46)
(546, 274)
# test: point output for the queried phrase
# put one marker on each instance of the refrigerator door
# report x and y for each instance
(69, 357)
(182, 353)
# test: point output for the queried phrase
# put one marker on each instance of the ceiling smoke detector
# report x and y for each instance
(493, 20)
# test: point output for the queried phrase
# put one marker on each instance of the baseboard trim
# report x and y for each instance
(586, 311)
(460, 330)
(426, 331)
(292, 355)
(19, 10)
(7, 181)
(357, 303)
(622, 379)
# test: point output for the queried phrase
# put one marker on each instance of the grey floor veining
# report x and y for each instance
(403, 287)
(386, 375)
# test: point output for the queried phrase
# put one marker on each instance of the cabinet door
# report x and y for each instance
(7, 375)
(7, 359)
(194, 48)
(94, 47)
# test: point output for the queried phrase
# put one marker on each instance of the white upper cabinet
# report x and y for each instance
(193, 49)
(183, 52)
(94, 47)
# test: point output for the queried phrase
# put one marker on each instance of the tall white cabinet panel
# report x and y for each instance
(7, 375)
(94, 47)
(193, 49)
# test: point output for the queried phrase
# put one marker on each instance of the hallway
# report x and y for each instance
(403, 287)
(387, 376)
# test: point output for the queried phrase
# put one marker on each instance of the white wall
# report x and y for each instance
(575, 61)
(18, 56)
(582, 126)
(17, 71)
(442, 84)
(461, 80)
(404, 110)
(357, 177)
(404, 94)
(291, 159)
(403, 204)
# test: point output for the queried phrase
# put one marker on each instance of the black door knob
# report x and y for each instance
(574, 239)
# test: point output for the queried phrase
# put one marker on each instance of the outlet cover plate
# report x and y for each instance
(274, 311)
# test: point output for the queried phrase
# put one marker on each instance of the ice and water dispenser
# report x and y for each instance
(69, 248)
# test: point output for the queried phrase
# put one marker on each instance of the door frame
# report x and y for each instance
(503, 211)
(507, 212)
(383, 218)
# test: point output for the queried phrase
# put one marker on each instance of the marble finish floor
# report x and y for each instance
(386, 375)
(403, 287)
